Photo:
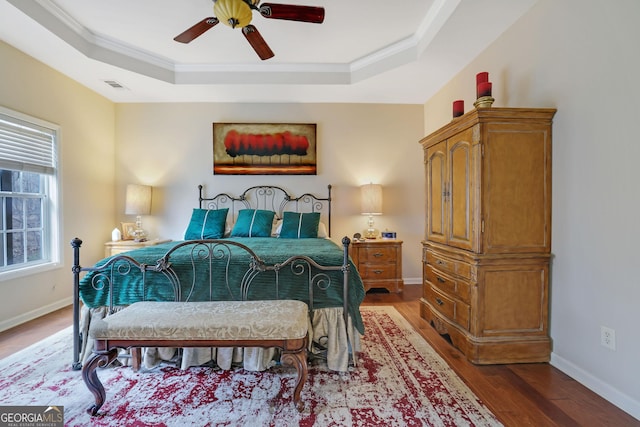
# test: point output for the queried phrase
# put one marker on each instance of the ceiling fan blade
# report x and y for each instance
(292, 12)
(257, 42)
(197, 30)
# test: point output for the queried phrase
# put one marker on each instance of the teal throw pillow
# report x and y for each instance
(253, 223)
(300, 225)
(206, 224)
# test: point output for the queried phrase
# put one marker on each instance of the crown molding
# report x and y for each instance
(114, 52)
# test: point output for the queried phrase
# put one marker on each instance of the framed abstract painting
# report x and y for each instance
(264, 149)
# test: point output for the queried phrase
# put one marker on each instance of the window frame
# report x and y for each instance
(51, 211)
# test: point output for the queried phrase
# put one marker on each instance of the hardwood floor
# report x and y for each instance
(519, 395)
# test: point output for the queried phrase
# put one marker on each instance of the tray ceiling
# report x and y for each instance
(373, 52)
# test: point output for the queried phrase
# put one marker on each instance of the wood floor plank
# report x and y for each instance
(22, 336)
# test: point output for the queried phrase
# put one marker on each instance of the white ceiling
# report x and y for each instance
(373, 52)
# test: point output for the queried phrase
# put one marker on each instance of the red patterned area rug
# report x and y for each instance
(399, 381)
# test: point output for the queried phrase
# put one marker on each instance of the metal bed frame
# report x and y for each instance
(203, 251)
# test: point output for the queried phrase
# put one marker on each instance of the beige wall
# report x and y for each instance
(170, 147)
(581, 58)
(87, 163)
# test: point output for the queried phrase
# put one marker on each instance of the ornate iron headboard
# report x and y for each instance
(271, 198)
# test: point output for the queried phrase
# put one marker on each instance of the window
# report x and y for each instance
(28, 189)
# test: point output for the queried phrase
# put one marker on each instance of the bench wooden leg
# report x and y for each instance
(299, 361)
(91, 379)
(136, 358)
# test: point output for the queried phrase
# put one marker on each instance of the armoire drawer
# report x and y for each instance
(447, 265)
(452, 308)
(453, 286)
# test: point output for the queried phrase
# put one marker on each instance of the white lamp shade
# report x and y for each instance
(371, 197)
(138, 200)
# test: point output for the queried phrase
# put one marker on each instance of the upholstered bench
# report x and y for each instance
(281, 323)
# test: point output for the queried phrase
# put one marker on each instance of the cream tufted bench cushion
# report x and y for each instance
(272, 323)
(211, 320)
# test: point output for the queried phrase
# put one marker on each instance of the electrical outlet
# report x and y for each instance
(608, 337)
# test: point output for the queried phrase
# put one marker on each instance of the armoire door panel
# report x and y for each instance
(514, 301)
(460, 192)
(436, 185)
(516, 191)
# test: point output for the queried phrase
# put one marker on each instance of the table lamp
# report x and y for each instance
(371, 198)
(138, 202)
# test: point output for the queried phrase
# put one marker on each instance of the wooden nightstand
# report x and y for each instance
(379, 263)
(113, 248)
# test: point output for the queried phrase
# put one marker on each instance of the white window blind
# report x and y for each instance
(26, 146)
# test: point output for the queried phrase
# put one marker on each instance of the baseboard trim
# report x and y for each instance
(34, 314)
(412, 280)
(601, 388)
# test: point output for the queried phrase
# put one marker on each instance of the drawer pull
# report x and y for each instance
(378, 271)
(377, 255)
(441, 280)
(440, 262)
(439, 301)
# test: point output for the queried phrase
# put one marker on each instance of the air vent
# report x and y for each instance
(114, 84)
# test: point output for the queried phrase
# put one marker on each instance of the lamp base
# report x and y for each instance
(371, 233)
(140, 235)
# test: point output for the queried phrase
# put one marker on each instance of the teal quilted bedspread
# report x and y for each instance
(196, 281)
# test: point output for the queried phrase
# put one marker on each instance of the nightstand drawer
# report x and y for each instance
(453, 309)
(378, 271)
(449, 285)
(377, 255)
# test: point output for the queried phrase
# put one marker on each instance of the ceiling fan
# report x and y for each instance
(238, 13)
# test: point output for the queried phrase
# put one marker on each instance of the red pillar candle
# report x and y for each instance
(458, 108)
(482, 77)
(484, 89)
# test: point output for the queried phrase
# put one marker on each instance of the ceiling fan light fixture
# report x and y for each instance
(238, 13)
(234, 13)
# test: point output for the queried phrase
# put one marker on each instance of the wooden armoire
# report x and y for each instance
(487, 240)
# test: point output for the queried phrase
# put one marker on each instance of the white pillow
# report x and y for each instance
(277, 226)
(322, 231)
